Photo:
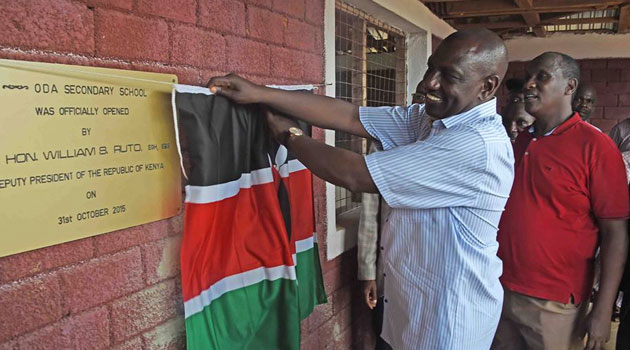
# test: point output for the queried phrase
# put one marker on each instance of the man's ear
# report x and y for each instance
(572, 85)
(489, 87)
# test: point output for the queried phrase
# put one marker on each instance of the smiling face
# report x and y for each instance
(453, 79)
(420, 95)
(547, 90)
(584, 101)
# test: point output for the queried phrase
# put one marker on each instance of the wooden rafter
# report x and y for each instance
(532, 19)
(517, 24)
(502, 7)
(526, 17)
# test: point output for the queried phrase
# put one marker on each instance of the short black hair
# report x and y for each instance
(515, 85)
(569, 66)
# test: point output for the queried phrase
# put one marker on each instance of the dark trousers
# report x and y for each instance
(378, 326)
(623, 334)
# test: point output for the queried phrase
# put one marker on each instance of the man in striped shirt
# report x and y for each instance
(445, 170)
(370, 267)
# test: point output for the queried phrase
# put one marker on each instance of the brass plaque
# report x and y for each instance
(83, 151)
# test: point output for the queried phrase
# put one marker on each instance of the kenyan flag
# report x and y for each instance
(244, 220)
(299, 182)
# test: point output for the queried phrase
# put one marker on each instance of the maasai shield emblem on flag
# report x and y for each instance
(239, 280)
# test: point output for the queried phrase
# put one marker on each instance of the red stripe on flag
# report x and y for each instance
(300, 188)
(231, 236)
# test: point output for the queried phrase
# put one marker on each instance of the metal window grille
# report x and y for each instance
(370, 71)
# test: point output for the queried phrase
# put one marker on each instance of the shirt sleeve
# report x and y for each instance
(446, 170)
(368, 237)
(393, 126)
(368, 234)
(608, 184)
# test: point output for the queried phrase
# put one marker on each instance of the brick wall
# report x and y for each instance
(121, 290)
(611, 78)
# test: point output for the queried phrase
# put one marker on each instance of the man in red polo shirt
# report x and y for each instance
(569, 196)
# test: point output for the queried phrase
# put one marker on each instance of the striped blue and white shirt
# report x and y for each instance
(447, 185)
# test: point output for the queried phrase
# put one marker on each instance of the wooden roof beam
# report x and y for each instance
(539, 31)
(531, 18)
(501, 7)
(490, 25)
(516, 24)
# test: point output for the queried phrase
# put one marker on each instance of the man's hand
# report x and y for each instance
(614, 249)
(597, 328)
(369, 293)
(279, 125)
(238, 89)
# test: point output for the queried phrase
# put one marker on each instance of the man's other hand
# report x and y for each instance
(597, 329)
(238, 89)
(279, 126)
(369, 293)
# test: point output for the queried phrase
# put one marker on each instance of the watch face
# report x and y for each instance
(296, 131)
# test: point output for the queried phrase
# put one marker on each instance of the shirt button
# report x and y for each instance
(382, 248)
(384, 275)
(534, 139)
(385, 300)
(526, 153)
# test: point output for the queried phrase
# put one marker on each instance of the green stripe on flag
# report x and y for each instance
(310, 282)
(261, 316)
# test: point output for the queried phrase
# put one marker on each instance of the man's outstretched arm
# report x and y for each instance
(320, 111)
(338, 166)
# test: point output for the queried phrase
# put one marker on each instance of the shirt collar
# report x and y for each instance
(488, 108)
(560, 129)
(531, 131)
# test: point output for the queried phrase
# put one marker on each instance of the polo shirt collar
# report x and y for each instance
(488, 108)
(531, 130)
(560, 129)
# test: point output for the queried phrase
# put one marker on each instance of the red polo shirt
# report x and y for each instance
(548, 234)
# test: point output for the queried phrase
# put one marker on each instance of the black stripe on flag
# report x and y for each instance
(224, 139)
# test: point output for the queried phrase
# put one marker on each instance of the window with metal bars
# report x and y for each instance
(369, 71)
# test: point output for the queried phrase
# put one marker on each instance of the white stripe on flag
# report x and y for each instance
(304, 245)
(291, 167)
(295, 165)
(189, 89)
(292, 87)
(206, 91)
(218, 192)
(176, 127)
(234, 282)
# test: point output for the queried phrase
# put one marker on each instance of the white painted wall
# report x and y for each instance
(418, 52)
(578, 46)
(334, 240)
